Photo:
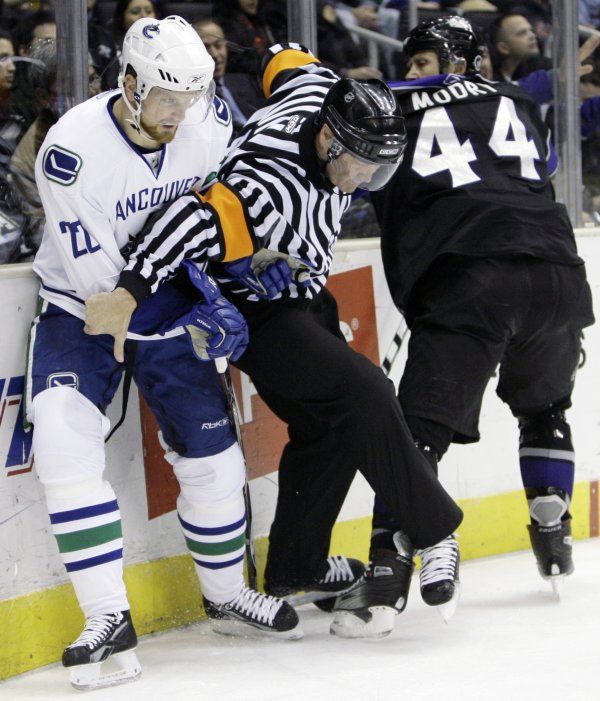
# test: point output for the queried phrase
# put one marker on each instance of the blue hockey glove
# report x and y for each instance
(216, 330)
(268, 273)
(215, 327)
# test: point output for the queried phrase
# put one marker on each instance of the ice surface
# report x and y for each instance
(509, 640)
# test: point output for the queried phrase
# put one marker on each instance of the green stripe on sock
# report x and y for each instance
(222, 548)
(78, 540)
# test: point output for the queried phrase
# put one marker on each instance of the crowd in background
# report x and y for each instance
(237, 33)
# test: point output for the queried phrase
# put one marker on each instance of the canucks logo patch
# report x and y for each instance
(221, 110)
(63, 379)
(60, 165)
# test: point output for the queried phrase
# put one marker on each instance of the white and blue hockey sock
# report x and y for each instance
(87, 527)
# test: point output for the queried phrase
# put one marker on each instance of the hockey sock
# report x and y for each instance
(215, 537)
(547, 463)
(383, 528)
(86, 522)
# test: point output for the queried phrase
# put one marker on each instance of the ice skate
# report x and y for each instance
(254, 613)
(550, 534)
(335, 577)
(440, 586)
(370, 607)
(553, 550)
(109, 635)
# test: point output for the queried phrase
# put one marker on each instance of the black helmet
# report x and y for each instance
(451, 38)
(365, 119)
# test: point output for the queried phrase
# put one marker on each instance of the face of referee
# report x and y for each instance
(344, 172)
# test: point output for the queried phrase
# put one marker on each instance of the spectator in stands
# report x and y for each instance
(241, 91)
(368, 15)
(34, 29)
(589, 13)
(42, 78)
(41, 74)
(538, 13)
(103, 48)
(128, 11)
(7, 70)
(337, 48)
(11, 130)
(476, 6)
(513, 40)
(243, 22)
(12, 126)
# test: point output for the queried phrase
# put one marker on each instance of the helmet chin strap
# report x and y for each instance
(136, 115)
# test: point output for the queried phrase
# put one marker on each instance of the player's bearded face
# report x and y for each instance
(164, 110)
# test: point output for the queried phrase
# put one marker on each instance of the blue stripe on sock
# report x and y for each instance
(94, 561)
(219, 530)
(547, 472)
(218, 565)
(84, 512)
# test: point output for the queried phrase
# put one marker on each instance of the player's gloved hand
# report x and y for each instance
(215, 327)
(216, 330)
(268, 273)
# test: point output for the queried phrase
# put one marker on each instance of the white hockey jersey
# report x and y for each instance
(98, 189)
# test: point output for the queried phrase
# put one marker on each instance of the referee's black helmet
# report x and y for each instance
(365, 120)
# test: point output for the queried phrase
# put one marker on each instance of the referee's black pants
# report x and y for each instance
(343, 415)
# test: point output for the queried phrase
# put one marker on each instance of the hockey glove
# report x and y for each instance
(216, 330)
(268, 273)
(215, 327)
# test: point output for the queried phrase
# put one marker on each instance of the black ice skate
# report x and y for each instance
(252, 611)
(335, 577)
(369, 608)
(550, 534)
(438, 576)
(553, 550)
(108, 635)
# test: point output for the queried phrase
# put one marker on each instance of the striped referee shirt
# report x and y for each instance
(271, 190)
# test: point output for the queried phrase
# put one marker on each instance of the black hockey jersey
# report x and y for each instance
(475, 180)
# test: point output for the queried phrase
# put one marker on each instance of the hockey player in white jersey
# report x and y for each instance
(103, 168)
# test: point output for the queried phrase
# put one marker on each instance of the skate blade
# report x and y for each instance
(448, 609)
(247, 630)
(86, 677)
(557, 582)
(346, 624)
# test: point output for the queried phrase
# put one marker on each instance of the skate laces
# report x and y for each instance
(438, 562)
(97, 629)
(256, 605)
(339, 570)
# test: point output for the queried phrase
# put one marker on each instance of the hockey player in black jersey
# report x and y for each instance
(482, 262)
(284, 186)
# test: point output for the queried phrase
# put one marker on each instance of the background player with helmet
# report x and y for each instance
(483, 263)
(286, 181)
(103, 168)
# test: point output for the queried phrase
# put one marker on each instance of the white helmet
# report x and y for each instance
(168, 54)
